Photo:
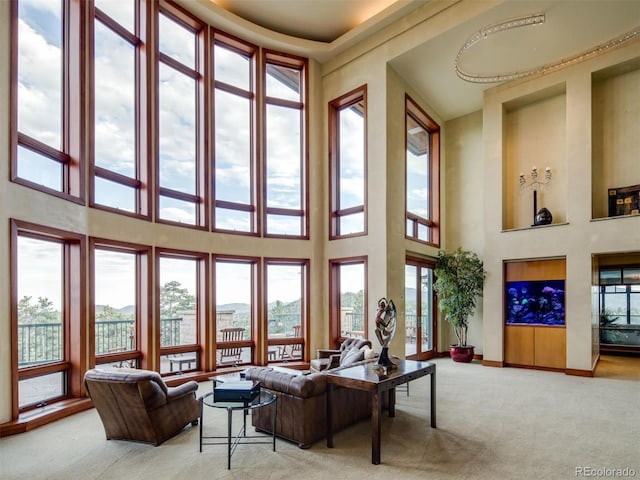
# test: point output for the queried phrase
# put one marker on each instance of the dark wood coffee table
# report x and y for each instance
(365, 377)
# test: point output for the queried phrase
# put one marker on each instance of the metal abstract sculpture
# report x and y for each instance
(385, 329)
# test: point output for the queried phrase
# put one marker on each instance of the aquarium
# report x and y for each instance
(535, 302)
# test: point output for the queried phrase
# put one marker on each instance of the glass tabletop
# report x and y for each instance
(261, 400)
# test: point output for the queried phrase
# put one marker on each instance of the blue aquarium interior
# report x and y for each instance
(539, 302)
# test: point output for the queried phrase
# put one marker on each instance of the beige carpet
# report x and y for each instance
(493, 424)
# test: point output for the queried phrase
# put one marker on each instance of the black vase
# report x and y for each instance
(543, 217)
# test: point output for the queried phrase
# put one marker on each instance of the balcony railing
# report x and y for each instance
(353, 324)
(42, 342)
(39, 343)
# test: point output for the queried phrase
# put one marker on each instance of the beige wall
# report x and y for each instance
(463, 211)
(5, 312)
(616, 142)
(580, 237)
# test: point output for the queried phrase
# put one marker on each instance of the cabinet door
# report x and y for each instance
(550, 347)
(518, 345)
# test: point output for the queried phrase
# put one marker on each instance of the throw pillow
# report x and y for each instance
(369, 353)
(353, 355)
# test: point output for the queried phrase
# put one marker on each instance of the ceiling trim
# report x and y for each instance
(530, 21)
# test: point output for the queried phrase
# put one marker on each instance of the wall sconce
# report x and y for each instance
(542, 217)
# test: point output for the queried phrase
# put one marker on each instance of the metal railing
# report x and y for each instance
(39, 343)
(42, 342)
(353, 324)
(114, 336)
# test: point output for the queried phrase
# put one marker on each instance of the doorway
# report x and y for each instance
(419, 309)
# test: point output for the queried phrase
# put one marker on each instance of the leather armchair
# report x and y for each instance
(137, 405)
(329, 358)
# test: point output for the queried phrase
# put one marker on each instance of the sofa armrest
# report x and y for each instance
(326, 353)
(173, 393)
(334, 361)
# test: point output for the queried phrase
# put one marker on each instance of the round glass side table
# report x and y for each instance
(263, 399)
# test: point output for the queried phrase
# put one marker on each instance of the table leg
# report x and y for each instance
(376, 413)
(392, 402)
(229, 419)
(245, 412)
(274, 421)
(329, 415)
(200, 401)
(433, 398)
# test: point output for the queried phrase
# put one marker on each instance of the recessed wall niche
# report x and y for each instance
(534, 136)
(615, 103)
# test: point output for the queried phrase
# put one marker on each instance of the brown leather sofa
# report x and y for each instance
(137, 405)
(302, 405)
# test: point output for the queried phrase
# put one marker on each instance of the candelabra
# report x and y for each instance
(534, 178)
(543, 216)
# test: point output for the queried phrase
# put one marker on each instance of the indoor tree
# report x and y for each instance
(459, 282)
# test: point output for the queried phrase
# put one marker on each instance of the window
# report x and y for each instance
(47, 127)
(348, 293)
(234, 135)
(620, 307)
(180, 172)
(181, 278)
(120, 302)
(286, 294)
(285, 165)
(419, 308)
(348, 163)
(235, 309)
(48, 353)
(422, 175)
(119, 107)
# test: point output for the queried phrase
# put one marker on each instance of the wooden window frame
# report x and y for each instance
(335, 337)
(304, 307)
(270, 57)
(73, 365)
(430, 264)
(250, 51)
(255, 296)
(139, 40)
(335, 211)
(413, 110)
(200, 198)
(71, 155)
(143, 326)
(203, 362)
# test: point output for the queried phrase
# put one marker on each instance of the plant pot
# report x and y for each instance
(461, 354)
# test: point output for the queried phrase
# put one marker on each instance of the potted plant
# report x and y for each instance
(459, 280)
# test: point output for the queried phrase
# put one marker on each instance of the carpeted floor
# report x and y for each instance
(493, 424)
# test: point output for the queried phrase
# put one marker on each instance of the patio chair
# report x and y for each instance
(293, 351)
(230, 354)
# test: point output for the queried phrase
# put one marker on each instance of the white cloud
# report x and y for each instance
(39, 86)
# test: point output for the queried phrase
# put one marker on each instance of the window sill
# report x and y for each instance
(42, 416)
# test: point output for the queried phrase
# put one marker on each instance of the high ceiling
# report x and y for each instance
(570, 28)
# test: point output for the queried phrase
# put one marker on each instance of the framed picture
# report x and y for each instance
(624, 201)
